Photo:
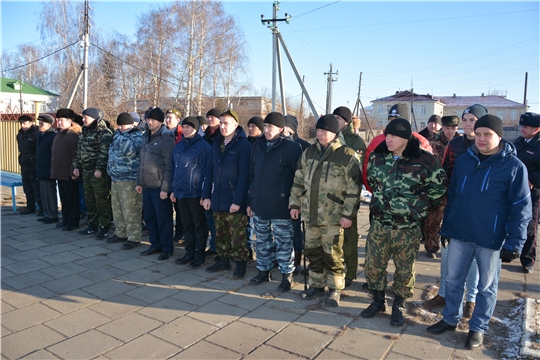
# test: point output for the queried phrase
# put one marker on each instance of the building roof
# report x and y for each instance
(406, 96)
(487, 101)
(8, 86)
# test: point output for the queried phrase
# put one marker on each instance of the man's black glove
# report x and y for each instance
(444, 241)
(508, 255)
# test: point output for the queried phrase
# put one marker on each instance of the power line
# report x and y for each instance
(309, 12)
(41, 58)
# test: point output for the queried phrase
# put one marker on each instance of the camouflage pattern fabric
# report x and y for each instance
(354, 141)
(402, 244)
(324, 250)
(432, 225)
(274, 242)
(93, 148)
(97, 194)
(231, 235)
(126, 209)
(350, 250)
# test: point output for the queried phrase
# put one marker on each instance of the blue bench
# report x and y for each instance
(12, 180)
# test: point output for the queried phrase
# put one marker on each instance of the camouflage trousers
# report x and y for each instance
(126, 209)
(97, 194)
(274, 242)
(231, 235)
(324, 250)
(402, 245)
(350, 250)
(432, 225)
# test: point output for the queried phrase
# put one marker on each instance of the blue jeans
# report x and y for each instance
(460, 257)
(471, 282)
(274, 241)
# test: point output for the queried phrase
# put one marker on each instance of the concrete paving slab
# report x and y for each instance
(306, 342)
(179, 280)
(108, 289)
(198, 295)
(71, 301)
(141, 276)
(77, 322)
(28, 316)
(217, 313)
(63, 270)
(61, 258)
(334, 355)
(40, 355)
(144, 347)
(290, 302)
(5, 259)
(19, 282)
(380, 325)
(91, 251)
(167, 310)
(269, 318)
(106, 272)
(240, 337)
(184, 331)
(325, 322)
(29, 296)
(67, 284)
(270, 352)
(117, 306)
(206, 350)
(130, 326)
(245, 301)
(131, 264)
(27, 341)
(151, 293)
(423, 347)
(25, 255)
(84, 346)
(397, 356)
(24, 267)
(6, 307)
(362, 344)
(224, 282)
(27, 245)
(95, 262)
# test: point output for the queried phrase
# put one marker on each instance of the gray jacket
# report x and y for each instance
(156, 153)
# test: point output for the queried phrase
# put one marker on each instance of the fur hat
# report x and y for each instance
(24, 118)
(530, 119)
(65, 113)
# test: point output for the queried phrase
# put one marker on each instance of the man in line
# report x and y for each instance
(492, 182)
(255, 128)
(432, 129)
(26, 142)
(153, 182)
(47, 186)
(326, 190)
(123, 165)
(91, 164)
(406, 182)
(172, 122)
(225, 192)
(528, 151)
(273, 164)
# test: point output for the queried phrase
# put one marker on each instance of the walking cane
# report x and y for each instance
(304, 251)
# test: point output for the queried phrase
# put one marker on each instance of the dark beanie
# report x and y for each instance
(328, 122)
(399, 111)
(399, 127)
(202, 120)
(530, 119)
(156, 114)
(124, 119)
(135, 116)
(476, 109)
(490, 121)
(46, 118)
(24, 118)
(276, 119)
(92, 112)
(292, 122)
(450, 120)
(191, 121)
(435, 118)
(344, 112)
(65, 113)
(257, 121)
(214, 112)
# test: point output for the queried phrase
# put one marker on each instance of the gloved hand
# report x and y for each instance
(444, 241)
(508, 255)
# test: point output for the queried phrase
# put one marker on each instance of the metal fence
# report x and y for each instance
(9, 157)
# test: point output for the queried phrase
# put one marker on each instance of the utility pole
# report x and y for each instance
(525, 91)
(329, 80)
(85, 59)
(356, 109)
(302, 100)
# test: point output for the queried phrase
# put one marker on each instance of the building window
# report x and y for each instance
(423, 110)
(388, 109)
(514, 115)
(415, 109)
(380, 109)
(42, 107)
(500, 114)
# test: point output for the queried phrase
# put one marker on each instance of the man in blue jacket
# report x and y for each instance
(486, 216)
(225, 192)
(273, 164)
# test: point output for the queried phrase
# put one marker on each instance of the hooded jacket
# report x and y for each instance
(64, 148)
(190, 164)
(229, 172)
(155, 166)
(488, 202)
(406, 188)
(125, 155)
(44, 154)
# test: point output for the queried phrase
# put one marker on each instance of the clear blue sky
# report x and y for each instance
(467, 48)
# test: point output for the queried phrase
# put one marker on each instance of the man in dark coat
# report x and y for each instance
(47, 186)
(26, 140)
(433, 127)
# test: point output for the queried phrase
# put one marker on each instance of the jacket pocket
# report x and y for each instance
(335, 198)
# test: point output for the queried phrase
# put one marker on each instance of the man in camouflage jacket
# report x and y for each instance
(91, 163)
(326, 189)
(406, 182)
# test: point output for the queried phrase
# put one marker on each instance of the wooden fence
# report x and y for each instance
(9, 157)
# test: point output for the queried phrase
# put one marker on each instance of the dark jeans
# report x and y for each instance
(297, 235)
(31, 188)
(69, 197)
(195, 228)
(528, 253)
(178, 228)
(158, 218)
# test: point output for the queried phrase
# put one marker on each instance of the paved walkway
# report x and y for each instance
(70, 296)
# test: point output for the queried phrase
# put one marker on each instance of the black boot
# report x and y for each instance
(222, 264)
(240, 270)
(378, 305)
(397, 319)
(261, 277)
(90, 229)
(286, 282)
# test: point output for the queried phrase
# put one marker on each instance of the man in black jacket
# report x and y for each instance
(47, 187)
(26, 139)
(528, 151)
(272, 168)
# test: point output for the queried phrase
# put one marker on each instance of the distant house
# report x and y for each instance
(12, 91)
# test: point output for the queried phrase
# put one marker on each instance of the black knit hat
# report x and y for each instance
(191, 121)
(276, 119)
(399, 127)
(399, 111)
(292, 122)
(92, 112)
(65, 113)
(328, 122)
(202, 120)
(344, 112)
(24, 118)
(476, 109)
(490, 121)
(435, 118)
(46, 118)
(214, 112)
(530, 119)
(257, 121)
(124, 119)
(156, 114)
(450, 120)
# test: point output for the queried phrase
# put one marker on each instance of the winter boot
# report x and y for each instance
(333, 298)
(378, 305)
(313, 293)
(103, 233)
(222, 264)
(397, 319)
(286, 282)
(89, 230)
(261, 277)
(240, 270)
